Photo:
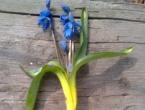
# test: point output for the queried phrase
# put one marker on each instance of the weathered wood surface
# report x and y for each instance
(34, 6)
(117, 9)
(111, 84)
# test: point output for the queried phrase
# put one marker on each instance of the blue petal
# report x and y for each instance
(64, 19)
(71, 30)
(63, 45)
(77, 24)
(45, 26)
(76, 32)
(68, 25)
(44, 22)
(68, 34)
(40, 20)
(45, 13)
(66, 9)
(48, 3)
(45, 19)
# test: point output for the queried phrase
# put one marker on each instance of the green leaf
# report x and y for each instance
(36, 82)
(99, 55)
(33, 91)
(57, 64)
(55, 68)
(31, 73)
(83, 35)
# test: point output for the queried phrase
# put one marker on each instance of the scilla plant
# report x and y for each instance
(69, 59)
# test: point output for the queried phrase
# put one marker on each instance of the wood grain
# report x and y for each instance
(117, 9)
(101, 30)
(109, 84)
(34, 6)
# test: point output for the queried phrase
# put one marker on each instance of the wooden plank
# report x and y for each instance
(111, 84)
(115, 80)
(98, 9)
(34, 6)
(25, 27)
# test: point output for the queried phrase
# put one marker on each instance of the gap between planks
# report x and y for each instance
(77, 17)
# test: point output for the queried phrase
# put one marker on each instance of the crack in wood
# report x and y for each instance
(127, 107)
(90, 18)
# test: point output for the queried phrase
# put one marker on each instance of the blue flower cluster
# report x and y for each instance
(71, 27)
(45, 18)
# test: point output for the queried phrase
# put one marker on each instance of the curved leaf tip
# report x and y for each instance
(128, 50)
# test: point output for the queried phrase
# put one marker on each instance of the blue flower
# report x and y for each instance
(48, 3)
(46, 13)
(63, 45)
(64, 19)
(45, 19)
(67, 16)
(71, 29)
(66, 9)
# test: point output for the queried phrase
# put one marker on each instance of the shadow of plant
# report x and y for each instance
(109, 76)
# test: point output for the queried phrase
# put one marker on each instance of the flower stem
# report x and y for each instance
(69, 64)
(70, 52)
(73, 48)
(58, 53)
